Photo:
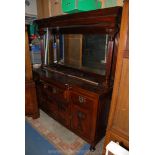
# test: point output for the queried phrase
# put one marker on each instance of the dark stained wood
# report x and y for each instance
(109, 61)
(78, 99)
(115, 52)
(78, 105)
(31, 105)
(109, 17)
(101, 29)
(118, 123)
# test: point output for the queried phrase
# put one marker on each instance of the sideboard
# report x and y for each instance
(80, 99)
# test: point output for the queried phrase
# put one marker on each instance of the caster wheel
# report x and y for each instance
(92, 148)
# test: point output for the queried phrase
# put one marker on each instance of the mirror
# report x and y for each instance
(86, 52)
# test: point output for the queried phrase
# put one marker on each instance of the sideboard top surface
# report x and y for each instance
(67, 80)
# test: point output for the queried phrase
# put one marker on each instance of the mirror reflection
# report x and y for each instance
(81, 51)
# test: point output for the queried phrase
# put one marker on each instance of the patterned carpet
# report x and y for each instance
(36, 144)
(64, 140)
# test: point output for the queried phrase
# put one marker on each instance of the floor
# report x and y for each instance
(36, 144)
(61, 137)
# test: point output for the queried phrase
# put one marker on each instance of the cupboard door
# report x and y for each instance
(81, 121)
(63, 112)
(52, 107)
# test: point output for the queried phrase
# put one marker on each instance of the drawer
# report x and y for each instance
(55, 92)
(82, 100)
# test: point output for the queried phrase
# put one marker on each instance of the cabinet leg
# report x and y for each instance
(36, 115)
(92, 148)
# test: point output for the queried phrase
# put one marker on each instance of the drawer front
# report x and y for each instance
(54, 91)
(81, 100)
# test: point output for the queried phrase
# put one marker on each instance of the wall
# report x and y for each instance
(32, 8)
(108, 3)
(48, 8)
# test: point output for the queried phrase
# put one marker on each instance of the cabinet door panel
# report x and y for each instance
(52, 108)
(81, 121)
(63, 112)
(65, 120)
(63, 107)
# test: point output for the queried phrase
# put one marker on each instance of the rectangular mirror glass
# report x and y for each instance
(81, 51)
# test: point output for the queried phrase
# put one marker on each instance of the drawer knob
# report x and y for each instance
(82, 99)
